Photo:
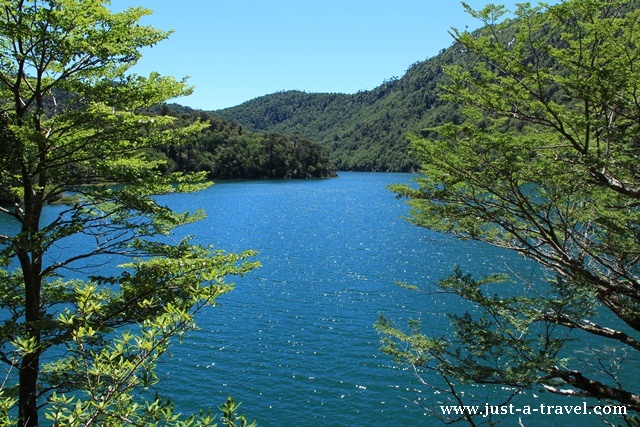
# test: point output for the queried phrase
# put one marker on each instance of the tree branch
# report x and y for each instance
(596, 389)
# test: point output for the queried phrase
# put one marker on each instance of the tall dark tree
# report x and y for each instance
(71, 121)
(546, 165)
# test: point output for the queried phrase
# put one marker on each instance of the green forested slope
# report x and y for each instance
(226, 150)
(363, 131)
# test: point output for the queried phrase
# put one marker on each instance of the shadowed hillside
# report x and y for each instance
(226, 150)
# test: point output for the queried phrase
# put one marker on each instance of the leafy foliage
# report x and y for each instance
(546, 164)
(81, 349)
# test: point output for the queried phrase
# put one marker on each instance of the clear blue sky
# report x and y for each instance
(237, 50)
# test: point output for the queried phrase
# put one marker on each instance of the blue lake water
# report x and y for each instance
(295, 342)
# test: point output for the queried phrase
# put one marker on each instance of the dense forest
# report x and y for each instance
(226, 150)
(365, 131)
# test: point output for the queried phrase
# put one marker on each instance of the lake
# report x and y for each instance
(295, 342)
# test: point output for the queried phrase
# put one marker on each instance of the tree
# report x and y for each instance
(73, 124)
(545, 165)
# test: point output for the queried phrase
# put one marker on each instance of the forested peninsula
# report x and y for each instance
(294, 134)
(227, 150)
(365, 131)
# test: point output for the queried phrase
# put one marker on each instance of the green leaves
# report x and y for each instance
(115, 328)
(532, 173)
(545, 165)
(75, 121)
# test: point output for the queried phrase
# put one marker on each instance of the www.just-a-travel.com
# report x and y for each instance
(543, 409)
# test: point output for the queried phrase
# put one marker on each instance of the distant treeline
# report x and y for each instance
(227, 150)
(358, 133)
(368, 130)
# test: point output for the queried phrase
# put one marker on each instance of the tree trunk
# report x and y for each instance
(28, 405)
(30, 256)
(29, 369)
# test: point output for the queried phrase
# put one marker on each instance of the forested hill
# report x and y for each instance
(366, 131)
(226, 150)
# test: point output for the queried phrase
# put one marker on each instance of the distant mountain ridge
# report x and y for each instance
(365, 131)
